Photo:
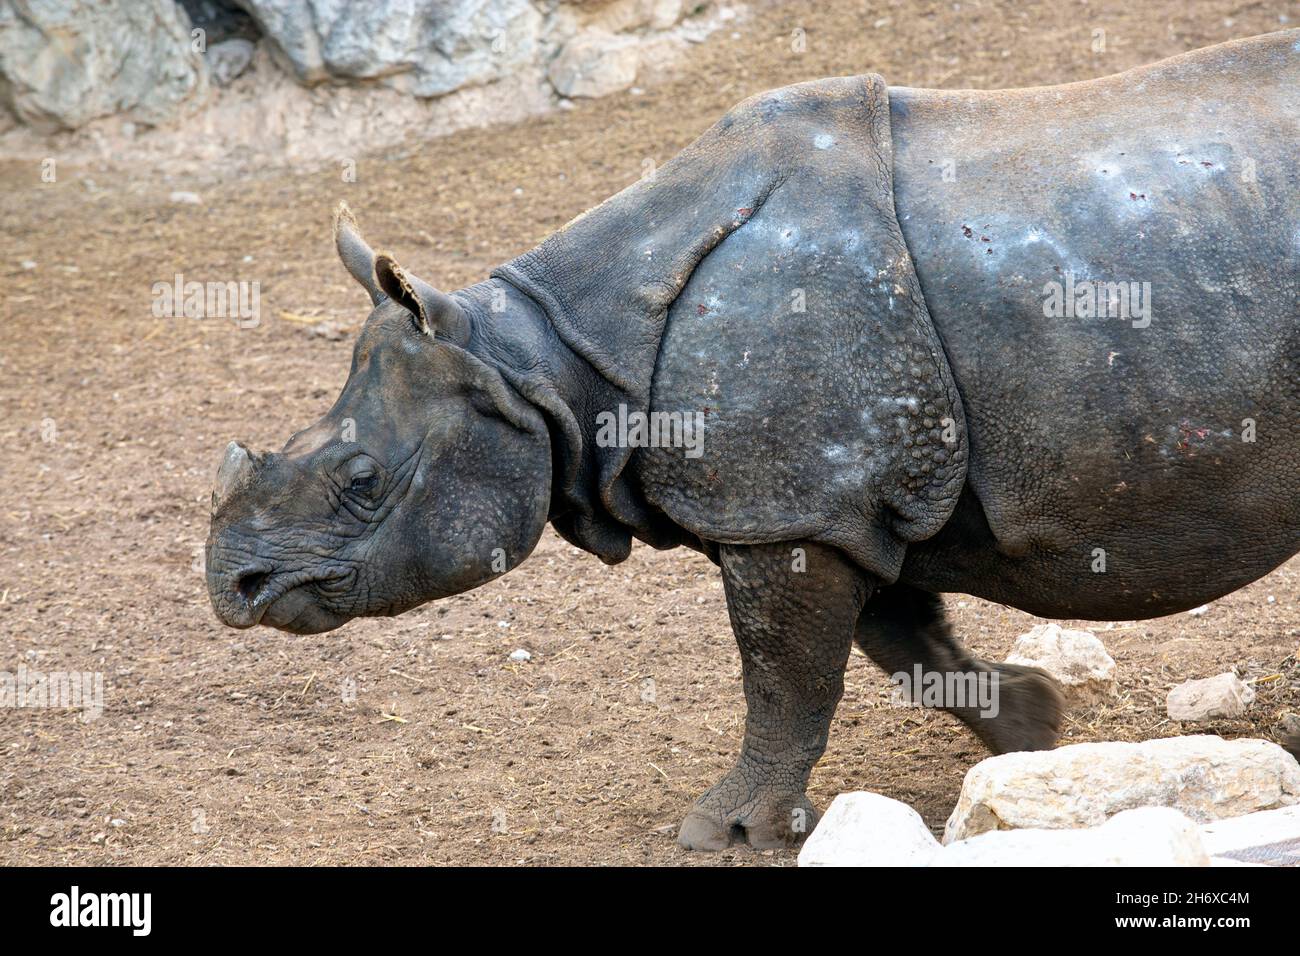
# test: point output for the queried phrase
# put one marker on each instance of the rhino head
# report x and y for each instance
(428, 477)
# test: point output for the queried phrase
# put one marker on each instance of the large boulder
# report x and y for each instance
(1082, 785)
(64, 63)
(422, 47)
(296, 69)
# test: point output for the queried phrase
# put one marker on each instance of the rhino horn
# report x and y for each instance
(435, 311)
(358, 258)
(235, 471)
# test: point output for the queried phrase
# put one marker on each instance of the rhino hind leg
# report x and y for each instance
(793, 608)
(1291, 743)
(901, 627)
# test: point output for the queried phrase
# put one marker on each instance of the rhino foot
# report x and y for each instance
(903, 628)
(1030, 713)
(736, 811)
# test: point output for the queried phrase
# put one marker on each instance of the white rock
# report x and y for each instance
(1267, 838)
(228, 59)
(424, 47)
(595, 63)
(1075, 658)
(1148, 836)
(187, 198)
(868, 829)
(520, 655)
(618, 16)
(1221, 696)
(665, 13)
(1082, 785)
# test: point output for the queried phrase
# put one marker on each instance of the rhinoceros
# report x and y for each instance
(861, 346)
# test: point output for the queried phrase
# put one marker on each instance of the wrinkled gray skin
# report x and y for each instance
(915, 425)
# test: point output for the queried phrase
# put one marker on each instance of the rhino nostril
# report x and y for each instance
(250, 585)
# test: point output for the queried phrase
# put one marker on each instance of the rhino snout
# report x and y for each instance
(239, 593)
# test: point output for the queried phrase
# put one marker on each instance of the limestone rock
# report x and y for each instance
(868, 829)
(1077, 659)
(595, 63)
(64, 63)
(1082, 785)
(228, 59)
(423, 47)
(1222, 696)
(637, 14)
(1148, 836)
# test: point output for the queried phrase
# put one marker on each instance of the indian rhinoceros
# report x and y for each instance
(860, 346)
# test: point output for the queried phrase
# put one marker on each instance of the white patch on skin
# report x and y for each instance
(781, 234)
(1033, 236)
(868, 416)
(1104, 164)
(824, 141)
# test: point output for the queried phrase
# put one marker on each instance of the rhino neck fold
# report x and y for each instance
(513, 332)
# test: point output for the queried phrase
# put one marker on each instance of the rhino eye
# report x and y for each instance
(362, 484)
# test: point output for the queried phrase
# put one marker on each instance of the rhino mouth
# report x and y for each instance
(300, 611)
(289, 601)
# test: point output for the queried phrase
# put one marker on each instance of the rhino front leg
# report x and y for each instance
(793, 608)
(902, 627)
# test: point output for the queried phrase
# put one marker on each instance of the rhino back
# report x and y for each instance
(1107, 432)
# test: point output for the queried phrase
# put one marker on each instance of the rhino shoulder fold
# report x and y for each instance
(838, 419)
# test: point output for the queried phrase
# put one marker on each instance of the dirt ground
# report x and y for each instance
(417, 740)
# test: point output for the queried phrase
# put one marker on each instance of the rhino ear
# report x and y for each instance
(436, 313)
(358, 258)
